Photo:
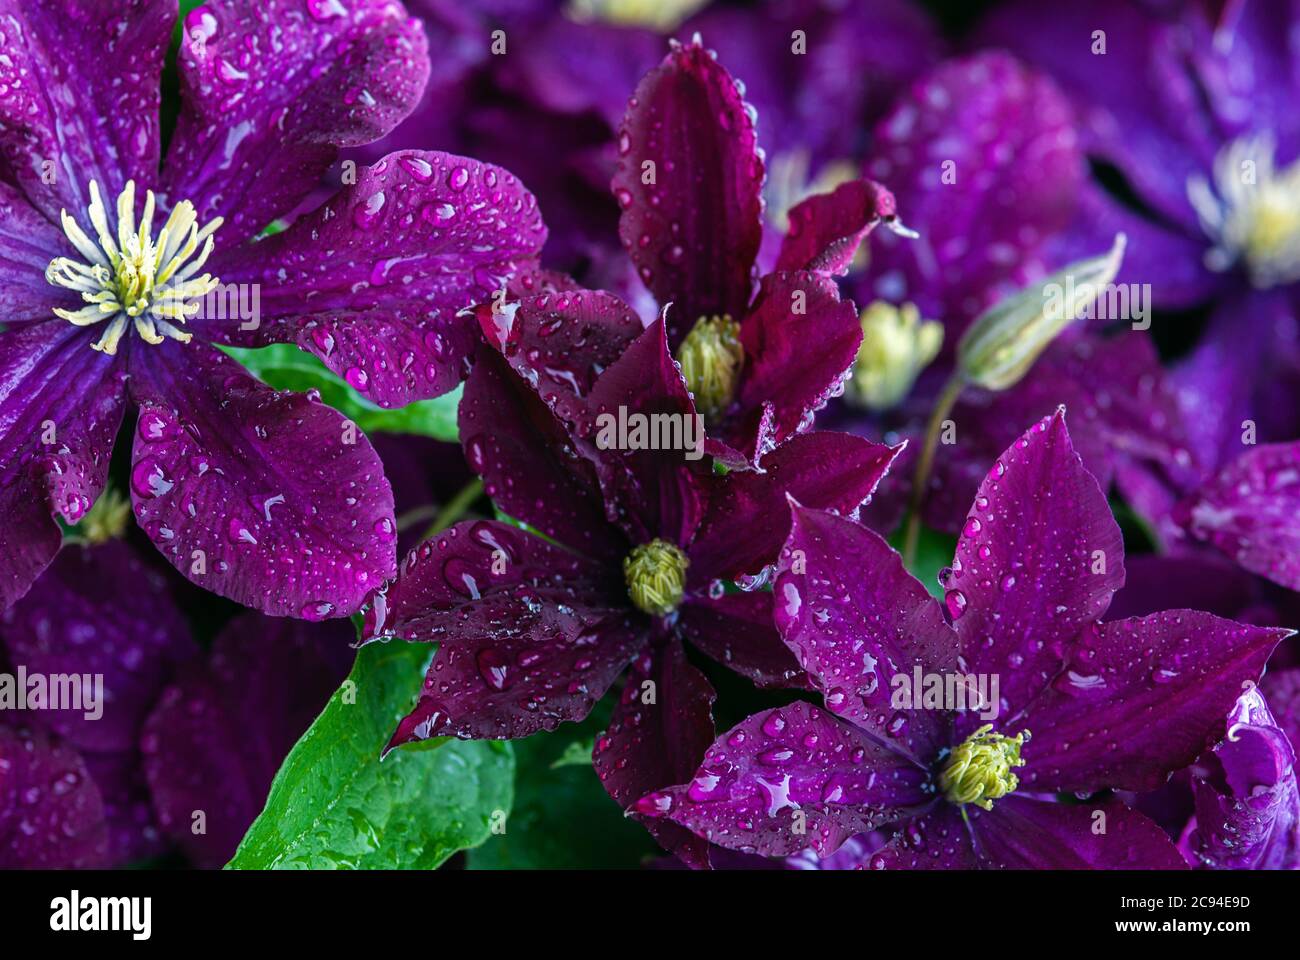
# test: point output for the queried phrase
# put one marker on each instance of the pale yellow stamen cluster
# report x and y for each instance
(1252, 212)
(129, 277)
(978, 771)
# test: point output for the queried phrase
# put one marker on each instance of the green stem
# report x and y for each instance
(455, 508)
(942, 407)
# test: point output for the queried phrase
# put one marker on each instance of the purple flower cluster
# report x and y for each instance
(710, 420)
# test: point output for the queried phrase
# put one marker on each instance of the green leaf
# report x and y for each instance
(334, 804)
(562, 816)
(285, 367)
(934, 551)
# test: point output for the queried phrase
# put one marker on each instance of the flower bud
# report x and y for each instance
(1003, 343)
(711, 357)
(896, 347)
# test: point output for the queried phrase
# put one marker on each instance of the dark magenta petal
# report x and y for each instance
(793, 361)
(694, 229)
(1138, 699)
(812, 105)
(940, 840)
(827, 228)
(51, 812)
(218, 735)
(747, 517)
(1123, 414)
(61, 404)
(656, 738)
(736, 630)
(649, 493)
(81, 89)
(28, 242)
(133, 832)
(1038, 558)
(982, 157)
(270, 91)
(266, 497)
(1146, 113)
(560, 341)
(790, 779)
(1251, 511)
(1024, 834)
(860, 624)
(529, 465)
(100, 611)
(1282, 687)
(377, 280)
(529, 635)
(1247, 802)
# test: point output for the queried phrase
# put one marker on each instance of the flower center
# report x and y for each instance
(711, 357)
(656, 577)
(896, 347)
(1252, 212)
(661, 15)
(979, 770)
(131, 277)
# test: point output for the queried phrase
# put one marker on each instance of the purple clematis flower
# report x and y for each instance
(1192, 106)
(1247, 802)
(173, 731)
(689, 182)
(1081, 707)
(104, 303)
(635, 550)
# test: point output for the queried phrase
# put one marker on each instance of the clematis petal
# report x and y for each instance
(861, 626)
(266, 497)
(133, 832)
(529, 465)
(560, 341)
(1146, 113)
(60, 406)
(51, 812)
(940, 840)
(736, 630)
(656, 737)
(217, 736)
(1138, 699)
(28, 242)
(827, 228)
(376, 281)
(100, 611)
(1247, 802)
(653, 486)
(1251, 511)
(270, 92)
(1039, 557)
(1024, 834)
(782, 367)
(745, 522)
(689, 181)
(529, 635)
(982, 151)
(65, 117)
(789, 779)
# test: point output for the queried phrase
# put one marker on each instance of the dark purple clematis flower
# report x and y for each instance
(1247, 802)
(1081, 707)
(174, 732)
(265, 497)
(636, 548)
(689, 182)
(1192, 106)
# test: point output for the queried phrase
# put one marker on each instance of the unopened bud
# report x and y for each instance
(896, 347)
(1003, 343)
